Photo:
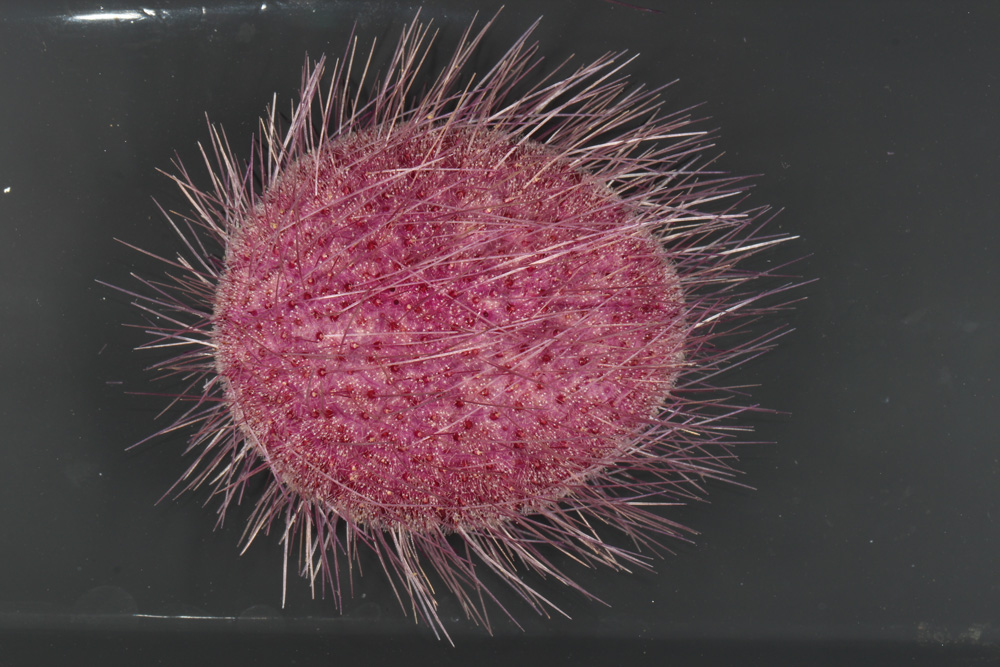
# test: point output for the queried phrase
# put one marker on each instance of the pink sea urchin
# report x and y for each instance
(464, 325)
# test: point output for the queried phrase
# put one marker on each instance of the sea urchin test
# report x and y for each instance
(440, 328)
(470, 329)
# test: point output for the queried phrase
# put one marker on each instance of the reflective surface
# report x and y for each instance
(876, 514)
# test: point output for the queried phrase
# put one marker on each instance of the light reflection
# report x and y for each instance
(235, 8)
(113, 16)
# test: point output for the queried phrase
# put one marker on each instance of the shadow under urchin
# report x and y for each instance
(476, 323)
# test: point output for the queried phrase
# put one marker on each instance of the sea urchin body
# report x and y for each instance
(460, 326)
(448, 331)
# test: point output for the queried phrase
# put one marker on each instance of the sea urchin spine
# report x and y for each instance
(465, 326)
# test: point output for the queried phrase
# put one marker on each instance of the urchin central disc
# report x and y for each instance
(443, 327)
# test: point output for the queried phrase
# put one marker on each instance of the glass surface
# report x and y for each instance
(874, 527)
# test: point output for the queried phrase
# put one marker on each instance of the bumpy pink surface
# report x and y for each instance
(442, 329)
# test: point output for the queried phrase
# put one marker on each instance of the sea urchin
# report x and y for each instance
(461, 327)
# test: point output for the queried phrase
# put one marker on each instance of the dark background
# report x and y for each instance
(874, 534)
